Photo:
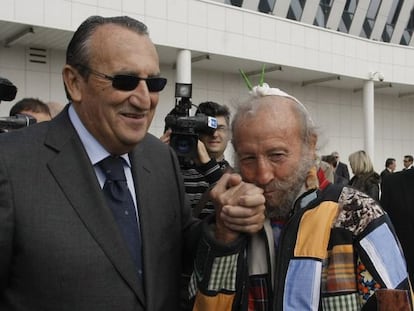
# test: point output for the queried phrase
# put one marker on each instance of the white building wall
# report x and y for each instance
(218, 29)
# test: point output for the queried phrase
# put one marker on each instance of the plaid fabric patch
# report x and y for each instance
(223, 273)
(340, 272)
(258, 293)
(341, 303)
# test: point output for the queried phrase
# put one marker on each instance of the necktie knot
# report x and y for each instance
(113, 168)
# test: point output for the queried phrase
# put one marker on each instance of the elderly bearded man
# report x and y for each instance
(319, 250)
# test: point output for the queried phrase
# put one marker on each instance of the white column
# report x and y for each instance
(336, 14)
(368, 102)
(309, 11)
(402, 21)
(183, 74)
(359, 17)
(380, 20)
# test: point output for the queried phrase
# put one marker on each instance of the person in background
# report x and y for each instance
(408, 162)
(32, 107)
(209, 165)
(331, 249)
(397, 199)
(55, 108)
(341, 170)
(324, 172)
(390, 165)
(205, 170)
(93, 213)
(365, 178)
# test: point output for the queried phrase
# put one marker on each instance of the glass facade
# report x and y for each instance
(370, 19)
(322, 13)
(392, 20)
(324, 9)
(296, 9)
(408, 32)
(347, 15)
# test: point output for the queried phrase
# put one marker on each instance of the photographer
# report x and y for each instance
(207, 168)
(8, 93)
(33, 107)
(202, 171)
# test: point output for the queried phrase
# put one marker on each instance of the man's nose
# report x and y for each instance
(140, 96)
(264, 172)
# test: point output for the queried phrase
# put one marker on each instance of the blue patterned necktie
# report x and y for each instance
(120, 202)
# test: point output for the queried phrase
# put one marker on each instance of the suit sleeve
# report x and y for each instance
(6, 225)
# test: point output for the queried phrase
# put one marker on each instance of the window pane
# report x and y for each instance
(296, 9)
(408, 32)
(347, 15)
(322, 13)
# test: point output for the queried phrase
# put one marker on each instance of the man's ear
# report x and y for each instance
(312, 145)
(72, 80)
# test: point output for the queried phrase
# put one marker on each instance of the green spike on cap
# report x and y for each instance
(246, 80)
(262, 76)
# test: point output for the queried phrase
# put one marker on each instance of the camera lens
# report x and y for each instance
(184, 145)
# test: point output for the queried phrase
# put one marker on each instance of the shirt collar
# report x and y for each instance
(96, 152)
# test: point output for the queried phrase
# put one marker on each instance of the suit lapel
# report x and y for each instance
(74, 173)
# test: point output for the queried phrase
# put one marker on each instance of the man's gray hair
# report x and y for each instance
(252, 105)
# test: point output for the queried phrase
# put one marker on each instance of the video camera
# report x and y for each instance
(8, 93)
(186, 128)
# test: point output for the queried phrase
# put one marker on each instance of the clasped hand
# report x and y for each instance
(240, 207)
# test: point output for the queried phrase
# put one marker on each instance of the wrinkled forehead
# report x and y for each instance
(275, 107)
(270, 113)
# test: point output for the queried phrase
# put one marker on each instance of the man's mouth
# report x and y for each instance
(133, 115)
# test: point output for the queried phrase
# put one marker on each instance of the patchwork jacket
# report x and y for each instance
(338, 251)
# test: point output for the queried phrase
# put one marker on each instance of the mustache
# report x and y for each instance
(283, 193)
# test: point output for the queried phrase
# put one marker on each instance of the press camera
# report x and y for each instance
(7, 93)
(186, 128)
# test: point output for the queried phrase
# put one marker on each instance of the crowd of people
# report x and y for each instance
(96, 213)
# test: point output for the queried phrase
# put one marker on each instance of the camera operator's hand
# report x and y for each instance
(203, 156)
(165, 138)
(240, 207)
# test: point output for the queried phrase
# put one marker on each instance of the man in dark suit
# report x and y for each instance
(408, 162)
(341, 170)
(398, 200)
(61, 247)
(390, 165)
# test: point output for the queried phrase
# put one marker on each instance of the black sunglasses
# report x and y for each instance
(128, 82)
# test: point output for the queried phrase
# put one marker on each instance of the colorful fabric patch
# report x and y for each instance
(341, 303)
(390, 265)
(340, 272)
(366, 283)
(223, 273)
(222, 302)
(357, 210)
(302, 286)
(314, 231)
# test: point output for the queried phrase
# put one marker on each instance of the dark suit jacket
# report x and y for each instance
(342, 171)
(398, 200)
(60, 248)
(384, 174)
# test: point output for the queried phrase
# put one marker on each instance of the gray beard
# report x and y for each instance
(281, 203)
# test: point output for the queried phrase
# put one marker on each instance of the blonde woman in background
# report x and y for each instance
(365, 178)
